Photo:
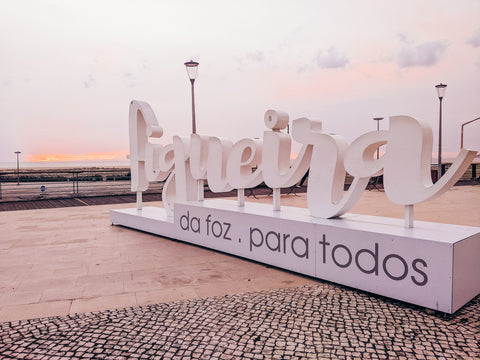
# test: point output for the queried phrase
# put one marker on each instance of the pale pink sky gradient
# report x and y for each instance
(69, 68)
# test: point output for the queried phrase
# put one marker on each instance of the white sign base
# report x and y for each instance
(432, 265)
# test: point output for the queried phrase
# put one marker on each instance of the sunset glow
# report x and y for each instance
(74, 66)
(115, 155)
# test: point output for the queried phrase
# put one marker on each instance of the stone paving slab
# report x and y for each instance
(71, 260)
(322, 321)
(154, 297)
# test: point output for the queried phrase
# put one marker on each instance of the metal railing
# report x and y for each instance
(64, 183)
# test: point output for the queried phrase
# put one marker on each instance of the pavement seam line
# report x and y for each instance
(83, 202)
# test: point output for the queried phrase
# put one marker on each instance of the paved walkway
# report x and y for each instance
(157, 297)
(320, 321)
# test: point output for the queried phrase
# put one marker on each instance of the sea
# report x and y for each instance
(96, 163)
(64, 164)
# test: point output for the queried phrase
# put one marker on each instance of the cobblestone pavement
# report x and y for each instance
(323, 321)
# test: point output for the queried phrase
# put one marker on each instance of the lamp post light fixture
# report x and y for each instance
(441, 92)
(377, 119)
(192, 67)
(18, 168)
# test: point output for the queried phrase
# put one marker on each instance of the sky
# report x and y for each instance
(69, 69)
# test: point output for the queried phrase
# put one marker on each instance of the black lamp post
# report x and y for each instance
(18, 168)
(441, 92)
(192, 67)
(377, 119)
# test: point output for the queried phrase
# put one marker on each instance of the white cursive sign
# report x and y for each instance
(189, 161)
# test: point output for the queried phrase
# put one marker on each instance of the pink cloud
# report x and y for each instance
(424, 55)
(331, 59)
(474, 40)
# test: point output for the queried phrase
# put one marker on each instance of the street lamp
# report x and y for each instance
(441, 92)
(466, 123)
(192, 67)
(18, 168)
(377, 119)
